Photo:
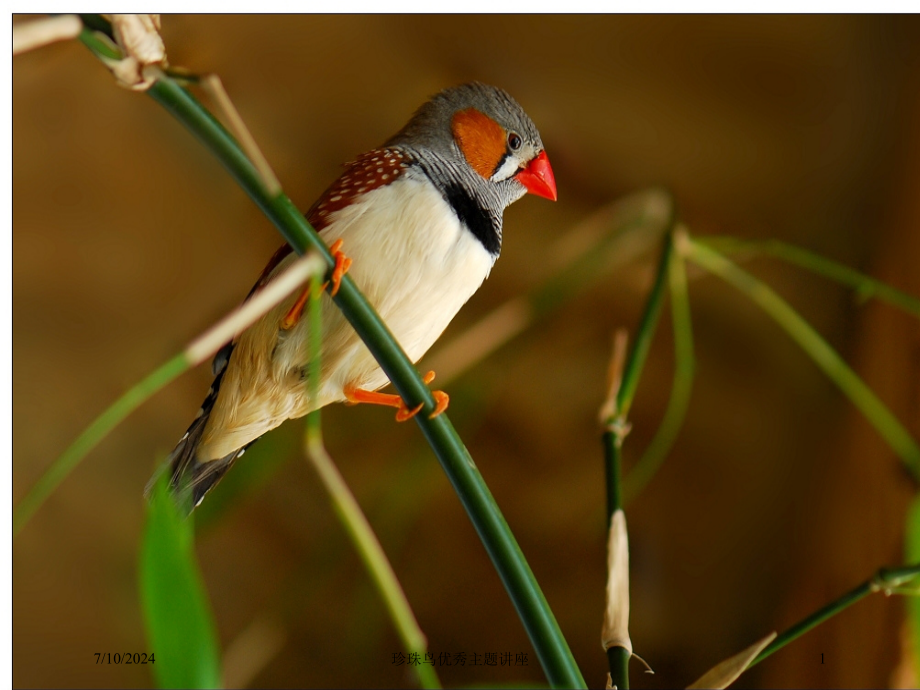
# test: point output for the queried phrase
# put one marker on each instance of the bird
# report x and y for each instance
(417, 224)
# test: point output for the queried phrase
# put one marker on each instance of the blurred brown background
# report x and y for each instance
(129, 240)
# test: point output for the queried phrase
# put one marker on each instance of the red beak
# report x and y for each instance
(538, 177)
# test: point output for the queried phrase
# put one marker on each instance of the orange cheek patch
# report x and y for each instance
(480, 138)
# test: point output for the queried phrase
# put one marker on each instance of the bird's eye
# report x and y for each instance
(514, 141)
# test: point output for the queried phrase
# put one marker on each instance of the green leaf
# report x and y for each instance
(827, 359)
(912, 555)
(865, 286)
(177, 615)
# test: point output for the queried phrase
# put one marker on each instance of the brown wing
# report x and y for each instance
(369, 171)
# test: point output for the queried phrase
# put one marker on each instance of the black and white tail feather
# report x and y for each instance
(190, 480)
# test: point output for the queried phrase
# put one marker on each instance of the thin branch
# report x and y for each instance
(887, 580)
(617, 423)
(608, 410)
(215, 87)
(622, 382)
(647, 326)
(372, 555)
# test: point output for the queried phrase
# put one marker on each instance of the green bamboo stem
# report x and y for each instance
(542, 628)
(815, 346)
(643, 471)
(617, 426)
(93, 434)
(617, 656)
(865, 286)
(618, 662)
(886, 580)
(645, 334)
(613, 465)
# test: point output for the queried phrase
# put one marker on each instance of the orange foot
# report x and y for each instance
(342, 264)
(353, 396)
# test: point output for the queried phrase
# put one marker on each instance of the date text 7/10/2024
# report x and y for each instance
(125, 658)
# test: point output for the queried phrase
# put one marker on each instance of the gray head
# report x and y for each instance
(486, 128)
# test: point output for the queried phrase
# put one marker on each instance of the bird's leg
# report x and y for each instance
(293, 316)
(342, 264)
(353, 396)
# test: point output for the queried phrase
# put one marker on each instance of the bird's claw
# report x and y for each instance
(404, 414)
(442, 400)
(342, 264)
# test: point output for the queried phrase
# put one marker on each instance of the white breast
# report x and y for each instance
(416, 264)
